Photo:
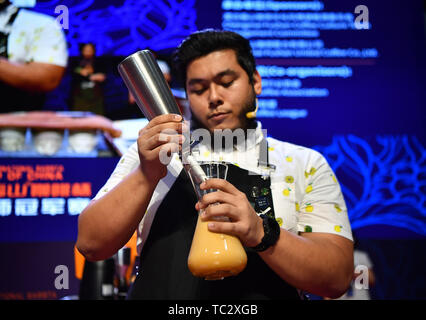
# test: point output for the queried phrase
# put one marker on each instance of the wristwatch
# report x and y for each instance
(271, 230)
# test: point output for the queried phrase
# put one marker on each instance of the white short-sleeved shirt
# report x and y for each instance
(35, 37)
(306, 194)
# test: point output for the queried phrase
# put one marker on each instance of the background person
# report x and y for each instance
(87, 84)
(33, 57)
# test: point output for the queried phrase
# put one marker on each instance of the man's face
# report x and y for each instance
(219, 90)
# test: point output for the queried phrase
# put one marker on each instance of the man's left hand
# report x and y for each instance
(230, 202)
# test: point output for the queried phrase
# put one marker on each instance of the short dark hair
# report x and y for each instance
(206, 41)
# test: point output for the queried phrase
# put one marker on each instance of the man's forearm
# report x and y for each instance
(108, 223)
(34, 77)
(312, 264)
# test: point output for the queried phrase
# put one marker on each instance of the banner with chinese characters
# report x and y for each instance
(40, 198)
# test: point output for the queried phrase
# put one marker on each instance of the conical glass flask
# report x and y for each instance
(213, 255)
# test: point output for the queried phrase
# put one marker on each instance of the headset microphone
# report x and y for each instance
(252, 114)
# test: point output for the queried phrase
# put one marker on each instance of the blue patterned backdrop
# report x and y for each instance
(121, 27)
(383, 181)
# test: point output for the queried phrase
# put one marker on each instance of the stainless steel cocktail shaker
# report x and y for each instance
(144, 79)
(146, 82)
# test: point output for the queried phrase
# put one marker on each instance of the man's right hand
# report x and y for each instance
(157, 141)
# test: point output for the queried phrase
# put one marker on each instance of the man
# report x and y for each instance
(304, 241)
(33, 57)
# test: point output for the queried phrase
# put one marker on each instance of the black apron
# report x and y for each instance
(163, 270)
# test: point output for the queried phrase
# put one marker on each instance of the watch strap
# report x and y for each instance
(271, 230)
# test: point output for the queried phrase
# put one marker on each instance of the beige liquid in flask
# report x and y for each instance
(214, 256)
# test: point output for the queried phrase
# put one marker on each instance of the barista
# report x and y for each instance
(303, 244)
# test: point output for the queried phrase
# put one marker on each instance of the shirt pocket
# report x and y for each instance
(285, 208)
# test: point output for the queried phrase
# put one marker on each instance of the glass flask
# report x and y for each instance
(213, 256)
